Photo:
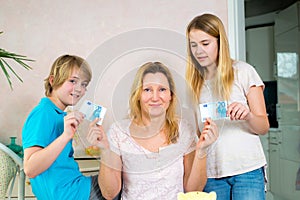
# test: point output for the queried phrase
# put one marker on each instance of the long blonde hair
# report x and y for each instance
(171, 125)
(195, 74)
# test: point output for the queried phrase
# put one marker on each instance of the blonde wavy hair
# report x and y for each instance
(171, 124)
(195, 74)
(62, 69)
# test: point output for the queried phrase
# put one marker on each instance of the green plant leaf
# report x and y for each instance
(12, 70)
(6, 68)
(6, 73)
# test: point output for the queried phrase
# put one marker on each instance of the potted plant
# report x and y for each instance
(7, 164)
(5, 66)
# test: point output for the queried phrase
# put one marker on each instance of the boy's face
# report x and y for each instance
(71, 91)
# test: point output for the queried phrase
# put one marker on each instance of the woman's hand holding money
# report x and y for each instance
(96, 135)
(208, 136)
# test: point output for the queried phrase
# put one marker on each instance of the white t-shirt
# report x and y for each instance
(237, 150)
(148, 175)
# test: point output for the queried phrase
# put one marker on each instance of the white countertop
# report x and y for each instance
(88, 165)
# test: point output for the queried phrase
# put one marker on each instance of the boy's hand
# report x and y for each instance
(71, 123)
(96, 135)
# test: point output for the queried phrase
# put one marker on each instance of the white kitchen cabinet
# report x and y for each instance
(284, 144)
(287, 48)
(274, 162)
(265, 143)
(284, 158)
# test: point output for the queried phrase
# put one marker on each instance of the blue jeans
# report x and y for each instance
(247, 186)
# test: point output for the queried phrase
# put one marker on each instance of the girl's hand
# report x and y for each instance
(238, 111)
(96, 135)
(71, 123)
(208, 136)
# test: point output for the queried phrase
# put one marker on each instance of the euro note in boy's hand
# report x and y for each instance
(93, 111)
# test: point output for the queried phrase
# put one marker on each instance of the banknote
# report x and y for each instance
(214, 110)
(93, 111)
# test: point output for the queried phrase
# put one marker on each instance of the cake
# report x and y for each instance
(197, 196)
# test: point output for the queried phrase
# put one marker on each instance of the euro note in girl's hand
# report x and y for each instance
(214, 110)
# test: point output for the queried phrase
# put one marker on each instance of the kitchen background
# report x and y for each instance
(272, 47)
(116, 37)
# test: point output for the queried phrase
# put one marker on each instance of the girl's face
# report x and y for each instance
(156, 95)
(204, 47)
(71, 91)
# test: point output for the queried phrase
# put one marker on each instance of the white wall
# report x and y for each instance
(112, 35)
(236, 29)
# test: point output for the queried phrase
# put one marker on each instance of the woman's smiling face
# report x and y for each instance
(156, 95)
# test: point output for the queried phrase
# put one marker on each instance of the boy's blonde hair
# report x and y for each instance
(62, 69)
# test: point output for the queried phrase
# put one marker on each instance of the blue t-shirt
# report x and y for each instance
(62, 180)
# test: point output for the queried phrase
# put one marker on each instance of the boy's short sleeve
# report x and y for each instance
(38, 129)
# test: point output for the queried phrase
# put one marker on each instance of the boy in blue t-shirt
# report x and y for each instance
(48, 132)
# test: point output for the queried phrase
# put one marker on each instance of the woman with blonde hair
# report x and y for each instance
(152, 154)
(235, 163)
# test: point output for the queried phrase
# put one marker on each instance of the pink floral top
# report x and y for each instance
(149, 175)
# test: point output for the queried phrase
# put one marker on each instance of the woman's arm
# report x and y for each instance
(110, 176)
(194, 172)
(195, 176)
(38, 159)
(256, 115)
